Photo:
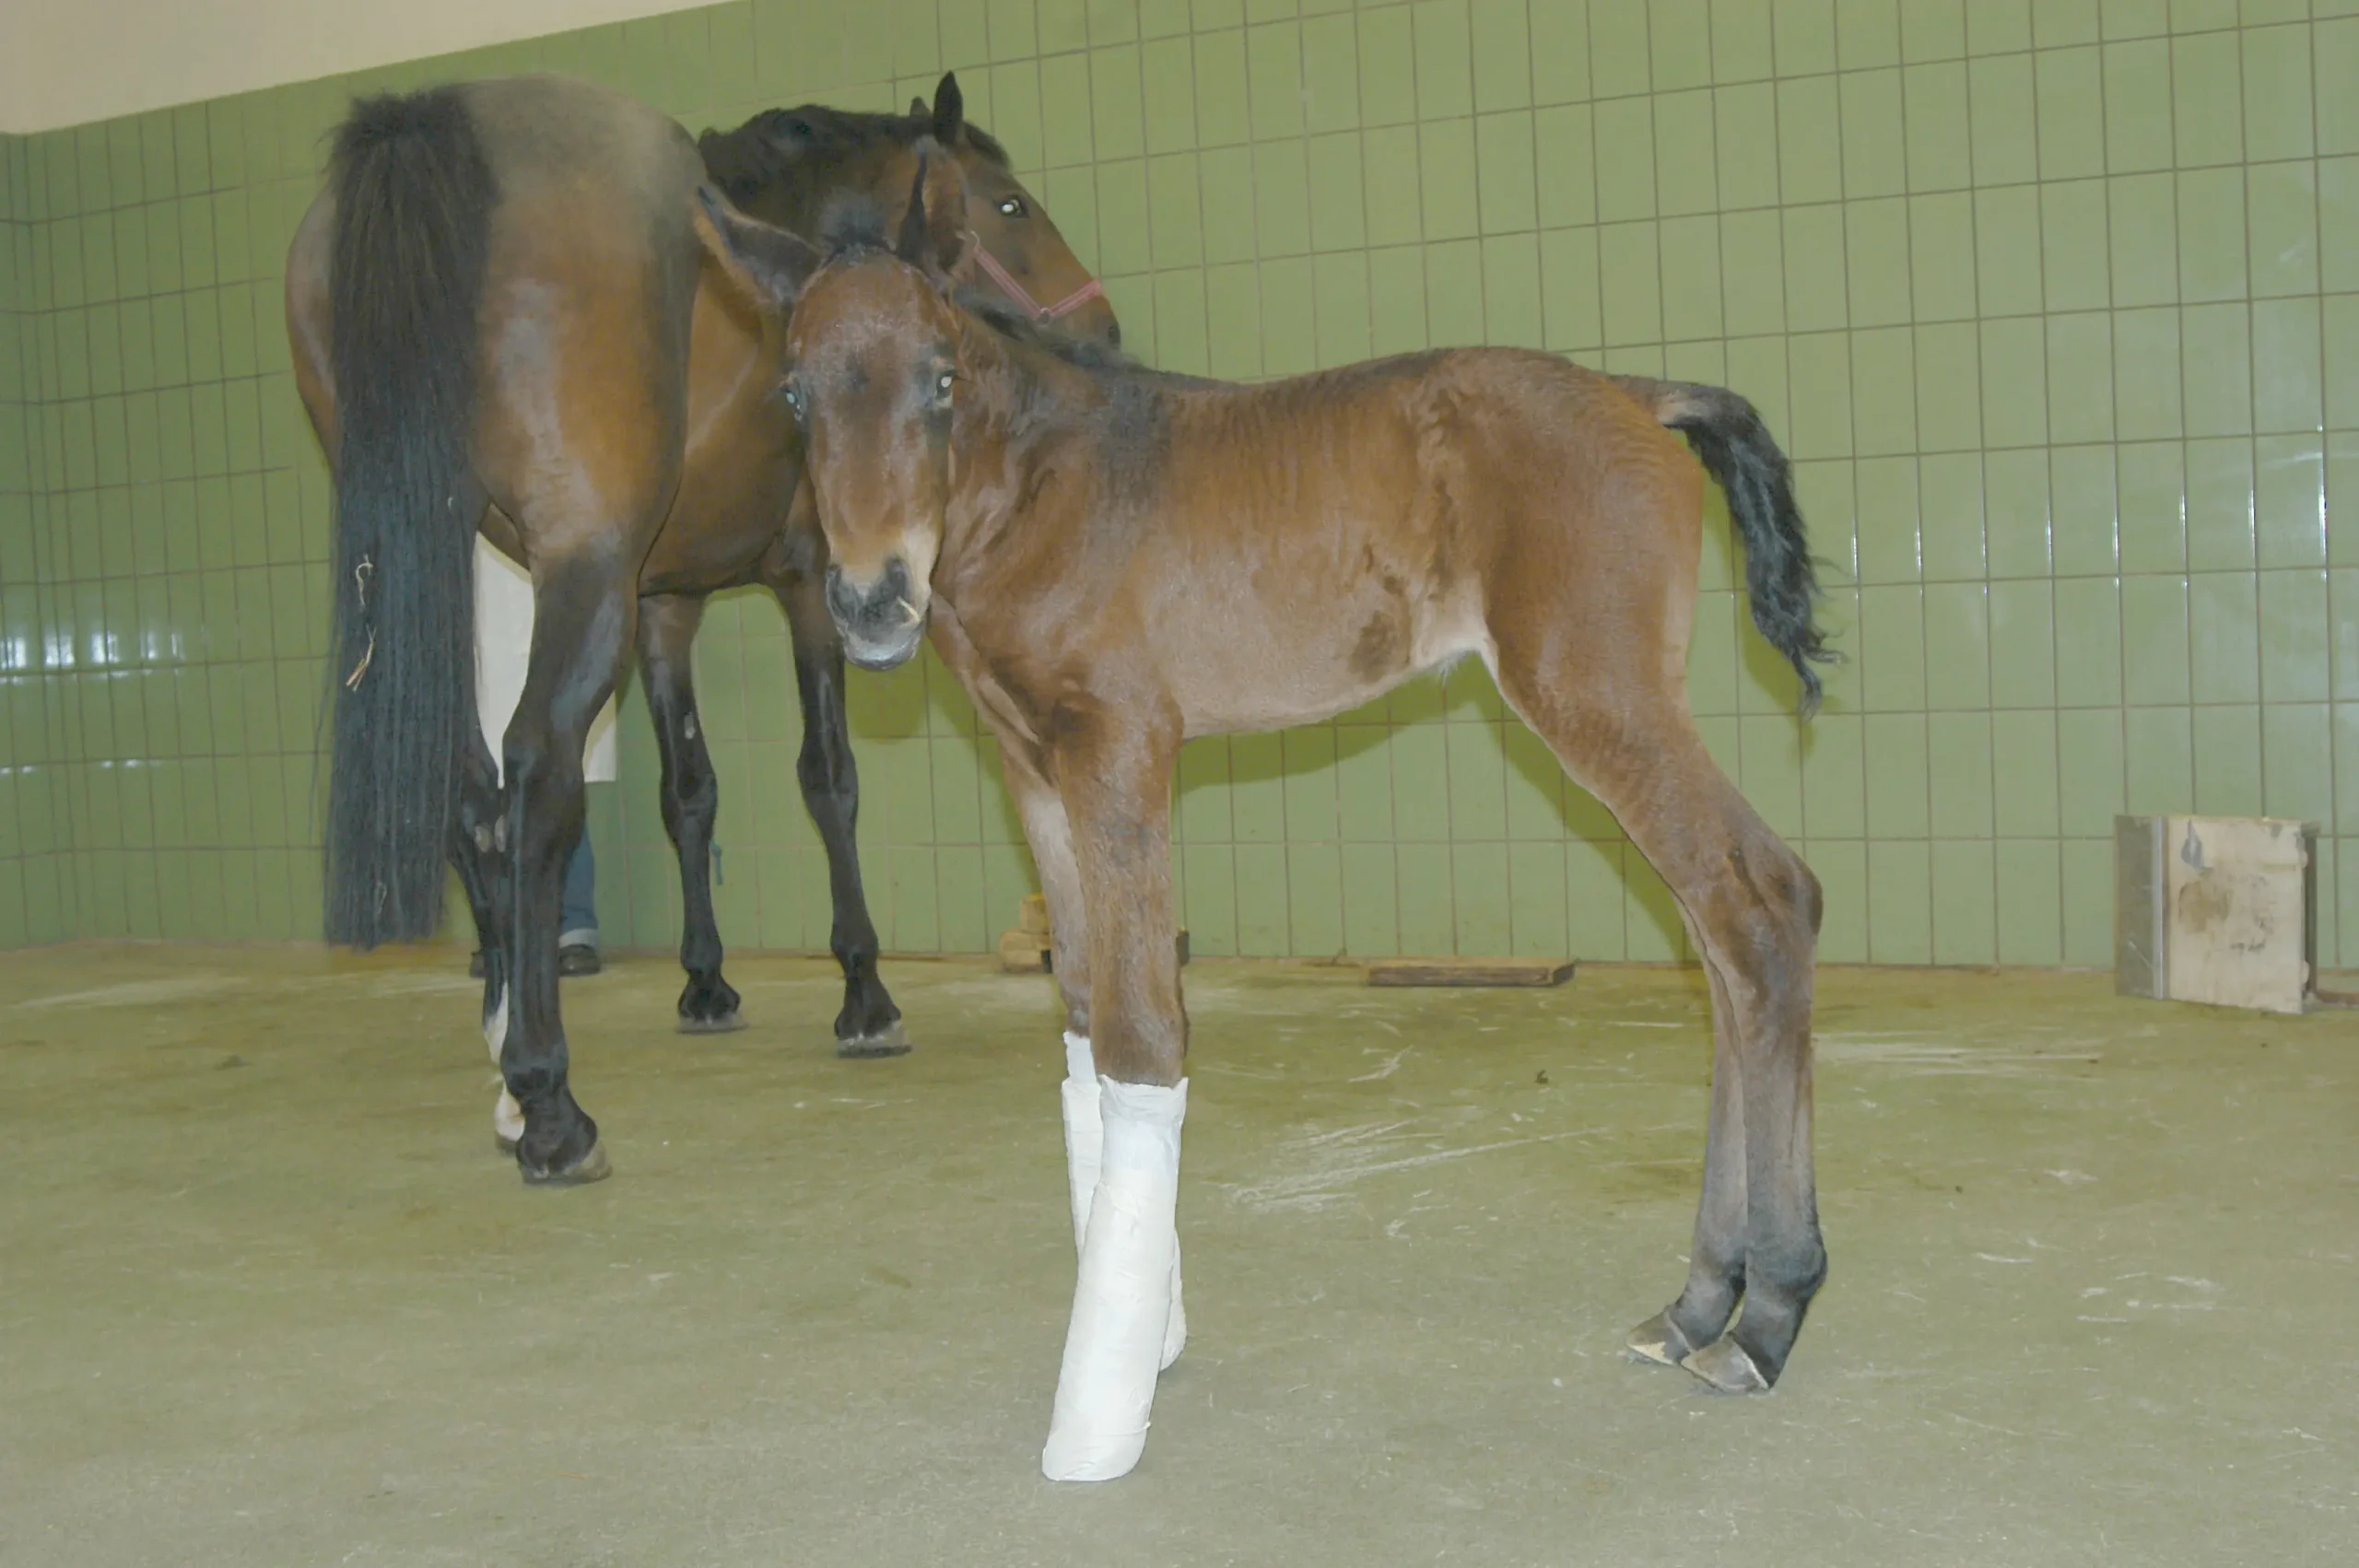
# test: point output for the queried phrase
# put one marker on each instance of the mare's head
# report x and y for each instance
(788, 166)
(873, 365)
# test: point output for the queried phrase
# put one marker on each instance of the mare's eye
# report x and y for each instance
(793, 396)
(942, 384)
(1011, 206)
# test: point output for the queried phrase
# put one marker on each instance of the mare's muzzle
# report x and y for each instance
(881, 622)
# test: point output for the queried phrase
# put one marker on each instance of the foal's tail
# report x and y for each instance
(1736, 449)
(413, 197)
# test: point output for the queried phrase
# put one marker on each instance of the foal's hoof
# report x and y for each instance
(725, 1023)
(504, 1144)
(1725, 1368)
(891, 1041)
(1658, 1340)
(592, 1166)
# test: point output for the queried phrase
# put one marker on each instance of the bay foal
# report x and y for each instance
(1112, 561)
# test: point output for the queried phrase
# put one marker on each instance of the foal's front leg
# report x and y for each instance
(1114, 785)
(1049, 832)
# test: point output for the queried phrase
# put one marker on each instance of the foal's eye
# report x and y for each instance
(793, 396)
(1011, 206)
(942, 384)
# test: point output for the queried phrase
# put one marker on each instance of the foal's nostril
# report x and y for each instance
(1114, 336)
(885, 604)
(843, 599)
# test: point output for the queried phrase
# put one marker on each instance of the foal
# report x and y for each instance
(1112, 561)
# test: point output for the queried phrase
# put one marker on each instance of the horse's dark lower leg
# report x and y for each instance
(581, 623)
(1754, 909)
(1716, 1257)
(479, 853)
(691, 801)
(1768, 950)
(870, 1024)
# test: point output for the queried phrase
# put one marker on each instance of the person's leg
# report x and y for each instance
(577, 942)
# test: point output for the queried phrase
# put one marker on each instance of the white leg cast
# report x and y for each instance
(506, 1115)
(1084, 1131)
(1122, 1304)
(1084, 1139)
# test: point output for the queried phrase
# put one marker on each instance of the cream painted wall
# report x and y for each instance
(64, 62)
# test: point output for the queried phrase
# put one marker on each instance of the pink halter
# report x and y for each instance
(999, 275)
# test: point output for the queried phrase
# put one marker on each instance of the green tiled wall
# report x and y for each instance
(2056, 306)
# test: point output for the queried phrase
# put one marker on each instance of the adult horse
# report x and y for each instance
(502, 320)
(1112, 561)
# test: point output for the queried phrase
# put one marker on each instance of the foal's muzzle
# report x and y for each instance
(881, 622)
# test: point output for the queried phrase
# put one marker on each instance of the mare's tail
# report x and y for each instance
(413, 195)
(1737, 451)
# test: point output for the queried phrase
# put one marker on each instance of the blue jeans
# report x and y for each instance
(578, 922)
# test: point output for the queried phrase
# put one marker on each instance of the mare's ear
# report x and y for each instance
(933, 227)
(768, 263)
(949, 109)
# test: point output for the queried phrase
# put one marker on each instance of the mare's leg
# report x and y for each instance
(691, 797)
(583, 609)
(1754, 909)
(1113, 777)
(479, 851)
(870, 1024)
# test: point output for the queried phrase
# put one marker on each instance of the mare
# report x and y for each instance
(502, 318)
(1112, 561)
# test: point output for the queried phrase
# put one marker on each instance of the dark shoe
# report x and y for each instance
(474, 965)
(578, 960)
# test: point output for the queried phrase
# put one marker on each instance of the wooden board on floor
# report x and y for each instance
(1470, 972)
(1025, 952)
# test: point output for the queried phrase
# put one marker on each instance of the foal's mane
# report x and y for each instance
(813, 144)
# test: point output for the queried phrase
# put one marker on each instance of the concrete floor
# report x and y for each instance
(268, 1296)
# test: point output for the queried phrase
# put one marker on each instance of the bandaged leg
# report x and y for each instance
(1121, 1303)
(1084, 1137)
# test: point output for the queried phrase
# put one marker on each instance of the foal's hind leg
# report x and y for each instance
(1754, 909)
(691, 801)
(1716, 1257)
(870, 1024)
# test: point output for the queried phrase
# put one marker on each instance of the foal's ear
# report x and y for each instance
(933, 229)
(949, 109)
(918, 110)
(769, 264)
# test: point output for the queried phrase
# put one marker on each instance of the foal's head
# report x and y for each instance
(872, 376)
(784, 166)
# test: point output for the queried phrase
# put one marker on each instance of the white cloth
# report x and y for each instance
(1085, 1161)
(1122, 1301)
(504, 651)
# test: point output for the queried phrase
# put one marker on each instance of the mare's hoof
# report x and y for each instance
(592, 1166)
(1725, 1368)
(1658, 1340)
(725, 1023)
(891, 1041)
